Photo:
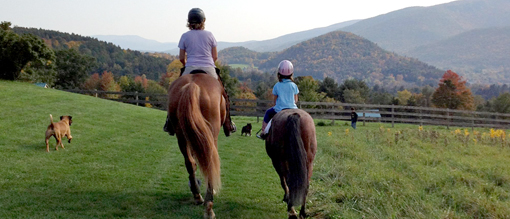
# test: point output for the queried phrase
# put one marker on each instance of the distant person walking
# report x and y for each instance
(354, 118)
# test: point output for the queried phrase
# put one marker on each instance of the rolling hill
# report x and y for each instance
(341, 55)
(136, 43)
(481, 55)
(271, 45)
(109, 57)
(288, 40)
(401, 31)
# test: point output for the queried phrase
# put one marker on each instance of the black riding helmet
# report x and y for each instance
(196, 16)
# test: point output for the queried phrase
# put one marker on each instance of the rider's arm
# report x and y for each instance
(295, 98)
(182, 56)
(274, 99)
(214, 53)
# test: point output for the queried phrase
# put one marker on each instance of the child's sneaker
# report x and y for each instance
(262, 135)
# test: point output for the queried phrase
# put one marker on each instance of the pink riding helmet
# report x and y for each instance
(285, 68)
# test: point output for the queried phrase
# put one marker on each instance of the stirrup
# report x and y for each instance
(262, 136)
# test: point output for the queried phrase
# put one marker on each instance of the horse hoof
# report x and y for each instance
(199, 200)
(209, 213)
(293, 216)
(285, 198)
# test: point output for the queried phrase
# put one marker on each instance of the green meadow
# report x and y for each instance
(121, 164)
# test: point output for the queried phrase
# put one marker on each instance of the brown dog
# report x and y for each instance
(59, 130)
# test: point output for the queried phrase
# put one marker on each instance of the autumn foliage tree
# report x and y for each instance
(245, 93)
(452, 93)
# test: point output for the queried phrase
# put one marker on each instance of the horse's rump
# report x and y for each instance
(199, 129)
(291, 145)
(296, 157)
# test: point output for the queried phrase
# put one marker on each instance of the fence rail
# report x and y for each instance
(336, 111)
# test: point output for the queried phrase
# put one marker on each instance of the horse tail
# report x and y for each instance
(199, 137)
(297, 179)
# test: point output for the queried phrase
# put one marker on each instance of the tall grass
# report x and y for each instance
(410, 172)
(121, 164)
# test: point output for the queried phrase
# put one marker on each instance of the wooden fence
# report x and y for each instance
(337, 111)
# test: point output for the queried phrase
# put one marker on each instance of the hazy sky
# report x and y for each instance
(165, 20)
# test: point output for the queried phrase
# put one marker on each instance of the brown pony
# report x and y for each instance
(291, 145)
(196, 111)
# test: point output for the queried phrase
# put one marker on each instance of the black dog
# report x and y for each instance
(246, 130)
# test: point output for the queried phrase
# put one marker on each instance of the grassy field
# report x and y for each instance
(121, 164)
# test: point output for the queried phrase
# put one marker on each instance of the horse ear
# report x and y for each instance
(61, 117)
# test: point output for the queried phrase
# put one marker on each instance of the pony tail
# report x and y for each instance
(200, 139)
(297, 178)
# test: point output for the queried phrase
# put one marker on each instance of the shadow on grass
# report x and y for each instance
(94, 204)
(40, 146)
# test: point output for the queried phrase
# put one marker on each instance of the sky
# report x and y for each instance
(165, 20)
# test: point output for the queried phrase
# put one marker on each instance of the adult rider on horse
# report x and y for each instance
(198, 53)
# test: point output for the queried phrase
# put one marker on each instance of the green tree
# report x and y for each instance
(452, 93)
(72, 68)
(230, 83)
(308, 89)
(16, 52)
(329, 87)
(501, 104)
(403, 97)
(352, 96)
(359, 91)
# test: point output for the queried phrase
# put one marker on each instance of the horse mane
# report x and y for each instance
(199, 137)
(294, 148)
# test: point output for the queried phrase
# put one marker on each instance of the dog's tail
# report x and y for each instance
(51, 120)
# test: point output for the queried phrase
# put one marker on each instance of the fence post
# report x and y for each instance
(472, 121)
(136, 93)
(332, 115)
(392, 116)
(421, 119)
(95, 92)
(447, 118)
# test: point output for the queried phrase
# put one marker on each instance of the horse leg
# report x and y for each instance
(285, 189)
(302, 212)
(292, 212)
(191, 167)
(209, 213)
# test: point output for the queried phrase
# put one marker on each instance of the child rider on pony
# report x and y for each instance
(285, 95)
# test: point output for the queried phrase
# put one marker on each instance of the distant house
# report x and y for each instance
(41, 85)
(370, 115)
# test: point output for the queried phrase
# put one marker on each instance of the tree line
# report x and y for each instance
(66, 60)
(28, 57)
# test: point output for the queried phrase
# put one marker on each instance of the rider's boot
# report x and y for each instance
(263, 134)
(168, 127)
(229, 126)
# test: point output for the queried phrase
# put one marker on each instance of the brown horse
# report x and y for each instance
(291, 145)
(196, 111)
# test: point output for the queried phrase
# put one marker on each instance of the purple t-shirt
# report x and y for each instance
(198, 45)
